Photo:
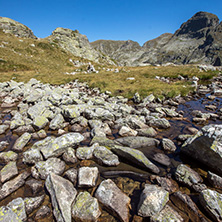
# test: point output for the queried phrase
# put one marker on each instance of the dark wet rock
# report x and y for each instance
(127, 131)
(205, 146)
(86, 153)
(32, 203)
(18, 206)
(3, 128)
(198, 187)
(105, 156)
(60, 144)
(149, 132)
(185, 204)
(57, 122)
(7, 214)
(43, 212)
(168, 145)
(62, 194)
(9, 171)
(158, 122)
(152, 200)
(167, 184)
(43, 168)
(167, 214)
(8, 156)
(187, 176)
(136, 157)
(87, 176)
(211, 201)
(72, 175)
(161, 158)
(35, 185)
(137, 142)
(114, 199)
(214, 179)
(21, 142)
(85, 208)
(69, 155)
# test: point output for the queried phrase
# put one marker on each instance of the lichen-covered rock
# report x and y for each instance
(105, 156)
(152, 200)
(8, 171)
(40, 122)
(3, 128)
(7, 214)
(87, 176)
(149, 132)
(17, 121)
(18, 207)
(21, 142)
(72, 175)
(58, 146)
(62, 194)
(85, 153)
(211, 201)
(114, 199)
(138, 141)
(214, 179)
(161, 123)
(187, 176)
(70, 111)
(5, 157)
(167, 214)
(136, 157)
(85, 208)
(43, 168)
(206, 147)
(69, 155)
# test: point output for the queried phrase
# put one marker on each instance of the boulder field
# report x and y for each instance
(71, 153)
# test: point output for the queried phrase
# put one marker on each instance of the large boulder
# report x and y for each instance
(206, 147)
(152, 200)
(114, 199)
(62, 194)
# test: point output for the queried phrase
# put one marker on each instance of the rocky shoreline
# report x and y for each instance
(71, 153)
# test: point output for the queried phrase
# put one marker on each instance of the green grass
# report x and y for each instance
(47, 62)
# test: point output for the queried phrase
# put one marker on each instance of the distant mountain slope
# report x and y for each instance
(199, 40)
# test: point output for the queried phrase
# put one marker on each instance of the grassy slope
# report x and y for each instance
(48, 63)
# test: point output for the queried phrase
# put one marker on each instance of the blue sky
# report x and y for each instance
(138, 20)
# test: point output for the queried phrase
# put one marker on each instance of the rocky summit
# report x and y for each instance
(64, 156)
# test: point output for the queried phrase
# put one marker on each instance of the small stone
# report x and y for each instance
(32, 156)
(86, 153)
(40, 122)
(69, 155)
(214, 179)
(32, 203)
(8, 156)
(3, 128)
(43, 212)
(21, 142)
(127, 131)
(72, 175)
(57, 122)
(168, 145)
(7, 214)
(87, 176)
(85, 208)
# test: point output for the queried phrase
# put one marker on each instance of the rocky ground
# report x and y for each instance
(70, 153)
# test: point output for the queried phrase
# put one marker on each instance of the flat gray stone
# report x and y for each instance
(69, 156)
(32, 156)
(21, 142)
(87, 176)
(8, 156)
(9, 171)
(57, 122)
(32, 203)
(7, 214)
